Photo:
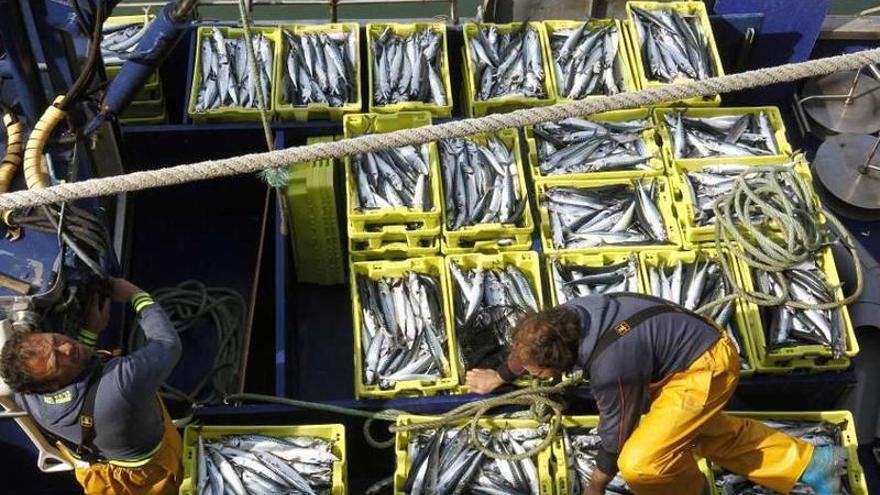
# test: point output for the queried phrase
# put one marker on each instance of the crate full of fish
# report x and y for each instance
(264, 459)
(506, 67)
(601, 146)
(820, 428)
(485, 198)
(408, 68)
(606, 215)
(744, 134)
(488, 295)
(574, 458)
(698, 187)
(403, 337)
(589, 59)
(694, 279)
(319, 73)
(223, 87)
(813, 338)
(673, 42)
(444, 461)
(574, 275)
(393, 191)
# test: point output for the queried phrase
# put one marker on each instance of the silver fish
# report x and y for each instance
(408, 68)
(727, 135)
(507, 65)
(672, 46)
(587, 61)
(567, 147)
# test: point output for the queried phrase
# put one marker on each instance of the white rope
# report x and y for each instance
(321, 151)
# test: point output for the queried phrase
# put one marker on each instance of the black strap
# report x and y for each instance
(623, 327)
(86, 449)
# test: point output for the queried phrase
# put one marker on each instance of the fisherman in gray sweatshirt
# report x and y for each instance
(103, 412)
(661, 376)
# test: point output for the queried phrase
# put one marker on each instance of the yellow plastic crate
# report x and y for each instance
(334, 432)
(412, 245)
(773, 115)
(373, 31)
(404, 463)
(594, 260)
(804, 356)
(479, 108)
(525, 261)
(559, 463)
(649, 135)
(316, 111)
(311, 201)
(375, 270)
(685, 209)
(745, 314)
(390, 221)
(233, 114)
(685, 8)
(848, 439)
(623, 51)
(486, 237)
(663, 202)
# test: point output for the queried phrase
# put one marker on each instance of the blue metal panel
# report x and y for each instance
(282, 276)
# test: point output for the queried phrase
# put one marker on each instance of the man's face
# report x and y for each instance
(539, 372)
(56, 358)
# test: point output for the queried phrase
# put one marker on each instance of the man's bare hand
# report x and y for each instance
(483, 381)
(97, 314)
(598, 484)
(122, 290)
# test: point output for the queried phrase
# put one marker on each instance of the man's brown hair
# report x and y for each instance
(14, 366)
(548, 339)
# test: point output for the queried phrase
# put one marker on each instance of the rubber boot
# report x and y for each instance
(824, 470)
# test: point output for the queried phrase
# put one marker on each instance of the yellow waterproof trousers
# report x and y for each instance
(685, 418)
(160, 476)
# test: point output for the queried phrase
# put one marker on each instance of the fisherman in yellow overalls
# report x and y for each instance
(645, 354)
(104, 413)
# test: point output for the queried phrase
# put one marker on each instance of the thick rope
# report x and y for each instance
(373, 142)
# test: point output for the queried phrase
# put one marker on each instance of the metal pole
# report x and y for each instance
(453, 11)
(867, 165)
(334, 11)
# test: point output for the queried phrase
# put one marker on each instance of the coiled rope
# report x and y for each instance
(460, 128)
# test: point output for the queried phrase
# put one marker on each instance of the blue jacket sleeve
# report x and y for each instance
(142, 372)
(620, 400)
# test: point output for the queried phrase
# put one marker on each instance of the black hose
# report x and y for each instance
(88, 71)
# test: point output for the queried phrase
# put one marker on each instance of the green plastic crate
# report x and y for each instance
(233, 114)
(685, 8)
(375, 270)
(479, 108)
(404, 463)
(316, 111)
(376, 29)
(314, 221)
(486, 237)
(334, 432)
(413, 246)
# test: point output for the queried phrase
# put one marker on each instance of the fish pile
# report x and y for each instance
(320, 68)
(672, 45)
(694, 285)
(481, 183)
(785, 326)
(225, 78)
(581, 449)
(260, 464)
(119, 41)
(399, 177)
(509, 64)
(444, 462)
(408, 68)
(586, 61)
(707, 186)
(488, 305)
(618, 214)
(818, 433)
(727, 135)
(573, 281)
(403, 334)
(576, 146)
